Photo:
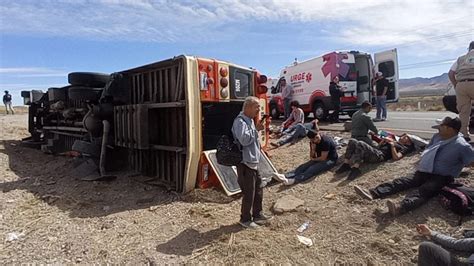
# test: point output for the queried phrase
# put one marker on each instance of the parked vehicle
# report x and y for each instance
(310, 80)
(162, 120)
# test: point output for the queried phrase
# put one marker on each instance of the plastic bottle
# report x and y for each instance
(303, 227)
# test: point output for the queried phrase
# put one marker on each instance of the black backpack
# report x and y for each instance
(7, 98)
(228, 152)
(459, 199)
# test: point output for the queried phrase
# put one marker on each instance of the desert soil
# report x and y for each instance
(47, 216)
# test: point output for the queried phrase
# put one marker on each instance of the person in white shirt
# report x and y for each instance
(287, 95)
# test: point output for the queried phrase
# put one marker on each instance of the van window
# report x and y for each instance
(387, 68)
(351, 74)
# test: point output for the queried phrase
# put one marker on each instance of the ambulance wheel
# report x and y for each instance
(319, 112)
(275, 114)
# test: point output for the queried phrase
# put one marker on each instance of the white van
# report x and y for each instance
(310, 80)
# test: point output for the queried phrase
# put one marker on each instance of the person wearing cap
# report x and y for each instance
(7, 101)
(441, 161)
(362, 123)
(287, 95)
(381, 89)
(461, 76)
(323, 156)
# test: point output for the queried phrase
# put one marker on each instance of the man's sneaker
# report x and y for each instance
(344, 168)
(363, 192)
(384, 119)
(280, 178)
(262, 219)
(249, 224)
(355, 172)
(289, 181)
(393, 208)
(376, 119)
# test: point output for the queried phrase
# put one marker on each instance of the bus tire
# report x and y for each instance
(84, 93)
(319, 111)
(88, 79)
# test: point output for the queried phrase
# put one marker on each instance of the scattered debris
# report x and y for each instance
(303, 227)
(305, 241)
(14, 236)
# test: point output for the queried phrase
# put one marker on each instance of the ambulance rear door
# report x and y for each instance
(387, 63)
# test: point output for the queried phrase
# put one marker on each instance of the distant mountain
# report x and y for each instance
(443, 78)
(424, 86)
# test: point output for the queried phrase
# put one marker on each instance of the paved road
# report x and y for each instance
(418, 123)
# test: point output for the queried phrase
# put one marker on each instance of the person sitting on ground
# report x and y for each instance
(296, 117)
(441, 162)
(431, 254)
(295, 133)
(358, 152)
(323, 156)
(362, 123)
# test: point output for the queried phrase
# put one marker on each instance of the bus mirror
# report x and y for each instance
(363, 80)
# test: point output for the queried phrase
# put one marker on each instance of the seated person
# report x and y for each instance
(441, 161)
(296, 117)
(358, 151)
(430, 253)
(362, 124)
(322, 154)
(296, 132)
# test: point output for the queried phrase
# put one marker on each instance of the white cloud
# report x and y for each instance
(32, 72)
(369, 23)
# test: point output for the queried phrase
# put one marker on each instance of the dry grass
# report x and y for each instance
(65, 220)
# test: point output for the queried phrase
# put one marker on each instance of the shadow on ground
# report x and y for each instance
(50, 179)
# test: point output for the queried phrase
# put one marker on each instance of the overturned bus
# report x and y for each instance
(162, 120)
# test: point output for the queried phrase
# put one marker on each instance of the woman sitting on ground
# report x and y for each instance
(358, 152)
(323, 156)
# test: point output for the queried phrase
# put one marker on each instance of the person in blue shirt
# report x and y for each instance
(441, 162)
(245, 132)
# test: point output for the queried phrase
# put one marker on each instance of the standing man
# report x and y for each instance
(336, 93)
(287, 95)
(246, 133)
(461, 76)
(441, 162)
(7, 101)
(362, 123)
(381, 85)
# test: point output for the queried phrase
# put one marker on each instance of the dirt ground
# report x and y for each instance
(47, 216)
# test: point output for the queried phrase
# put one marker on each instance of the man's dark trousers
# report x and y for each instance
(429, 185)
(252, 194)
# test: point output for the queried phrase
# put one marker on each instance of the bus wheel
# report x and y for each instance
(319, 112)
(274, 112)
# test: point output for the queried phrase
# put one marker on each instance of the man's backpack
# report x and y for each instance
(458, 198)
(228, 152)
(7, 98)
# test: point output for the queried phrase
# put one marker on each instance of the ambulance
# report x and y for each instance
(356, 70)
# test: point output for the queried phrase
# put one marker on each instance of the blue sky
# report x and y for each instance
(42, 41)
